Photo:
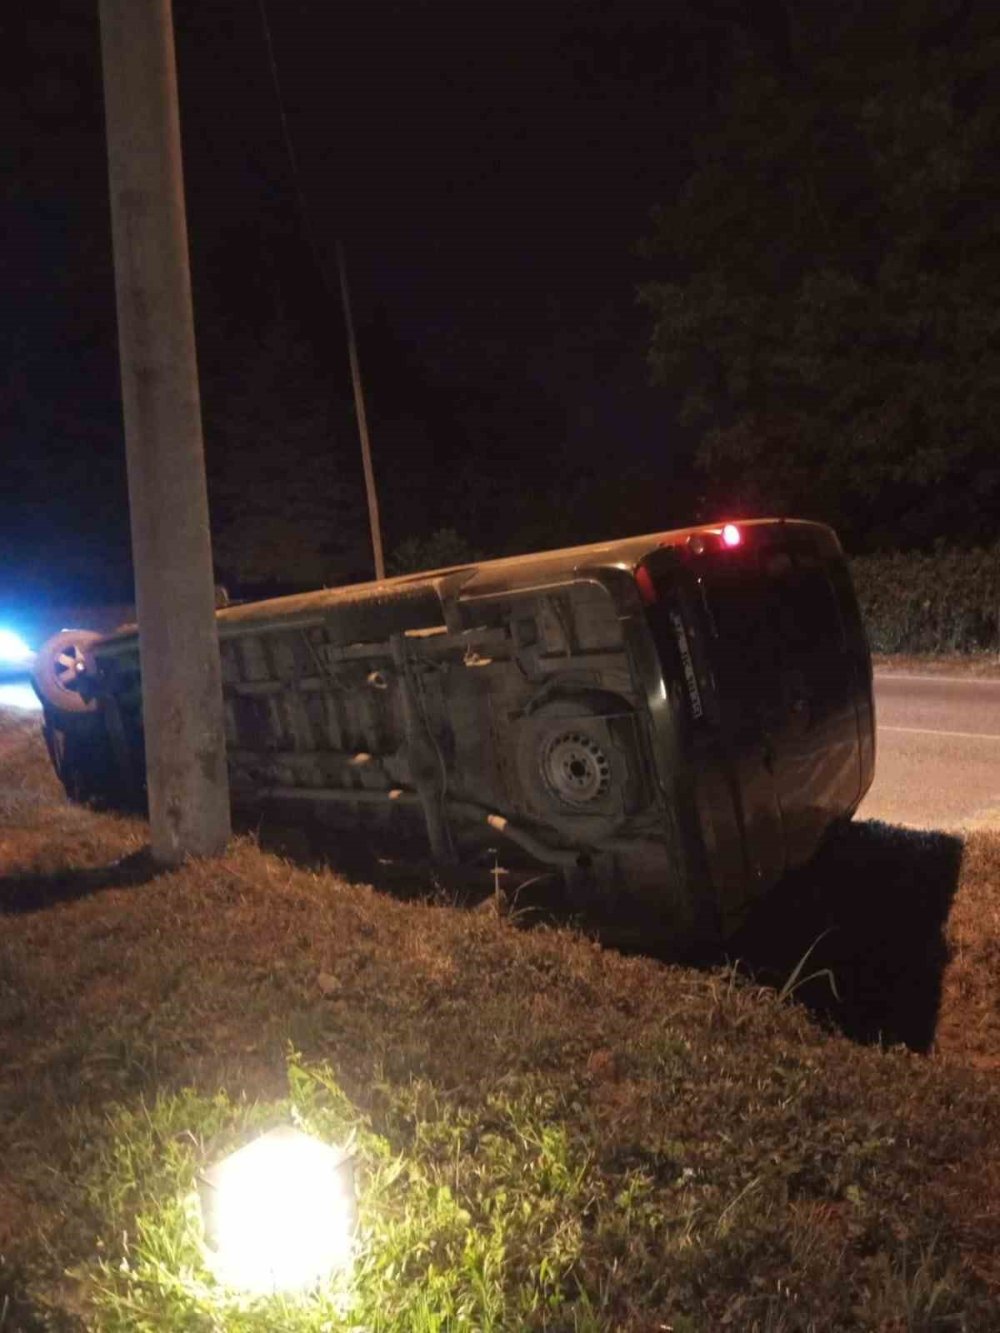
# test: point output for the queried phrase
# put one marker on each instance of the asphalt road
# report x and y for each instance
(938, 759)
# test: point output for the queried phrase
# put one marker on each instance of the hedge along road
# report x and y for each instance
(938, 763)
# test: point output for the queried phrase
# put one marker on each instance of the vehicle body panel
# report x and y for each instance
(678, 736)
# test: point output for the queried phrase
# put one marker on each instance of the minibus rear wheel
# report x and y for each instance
(570, 759)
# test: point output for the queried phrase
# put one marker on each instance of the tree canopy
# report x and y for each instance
(284, 472)
(827, 306)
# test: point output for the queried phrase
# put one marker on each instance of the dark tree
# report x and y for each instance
(284, 470)
(828, 307)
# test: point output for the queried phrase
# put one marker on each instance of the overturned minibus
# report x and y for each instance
(670, 721)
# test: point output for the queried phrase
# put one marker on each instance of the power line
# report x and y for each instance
(359, 399)
(290, 149)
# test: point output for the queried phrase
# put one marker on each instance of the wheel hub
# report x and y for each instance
(576, 769)
(68, 666)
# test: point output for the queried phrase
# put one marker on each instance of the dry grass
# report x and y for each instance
(968, 1029)
(748, 1165)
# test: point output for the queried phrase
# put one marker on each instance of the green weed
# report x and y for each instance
(461, 1229)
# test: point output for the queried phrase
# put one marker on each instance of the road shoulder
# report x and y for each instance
(966, 666)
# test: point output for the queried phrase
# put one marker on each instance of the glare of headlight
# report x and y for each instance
(280, 1213)
(19, 695)
(13, 650)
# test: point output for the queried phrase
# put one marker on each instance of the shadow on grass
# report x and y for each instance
(403, 868)
(16, 1311)
(875, 902)
(35, 892)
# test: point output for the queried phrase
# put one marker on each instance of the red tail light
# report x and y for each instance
(644, 582)
(731, 535)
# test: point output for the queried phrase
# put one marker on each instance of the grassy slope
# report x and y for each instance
(648, 1146)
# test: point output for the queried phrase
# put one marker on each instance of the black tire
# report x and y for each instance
(84, 762)
(59, 674)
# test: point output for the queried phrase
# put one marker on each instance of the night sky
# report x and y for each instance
(490, 169)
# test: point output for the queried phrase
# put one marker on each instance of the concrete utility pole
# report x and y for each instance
(181, 678)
